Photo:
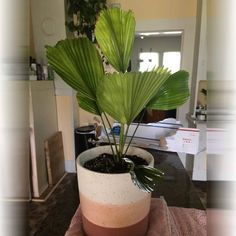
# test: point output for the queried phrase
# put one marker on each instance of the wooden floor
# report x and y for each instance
(52, 217)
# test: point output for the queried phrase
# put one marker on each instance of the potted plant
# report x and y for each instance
(82, 16)
(111, 203)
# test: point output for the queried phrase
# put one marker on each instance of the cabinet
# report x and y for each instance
(43, 124)
(200, 167)
(199, 161)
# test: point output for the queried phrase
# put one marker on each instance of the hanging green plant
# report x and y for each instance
(82, 16)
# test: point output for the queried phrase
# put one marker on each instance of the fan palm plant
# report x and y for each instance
(122, 95)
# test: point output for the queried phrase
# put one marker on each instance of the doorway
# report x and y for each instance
(152, 49)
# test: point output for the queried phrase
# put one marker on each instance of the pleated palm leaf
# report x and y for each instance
(122, 95)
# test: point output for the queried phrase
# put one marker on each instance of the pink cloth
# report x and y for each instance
(164, 221)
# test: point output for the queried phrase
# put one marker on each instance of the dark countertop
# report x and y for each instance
(176, 186)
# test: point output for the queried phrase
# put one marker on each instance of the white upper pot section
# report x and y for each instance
(109, 188)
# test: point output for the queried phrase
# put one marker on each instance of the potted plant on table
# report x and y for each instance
(110, 201)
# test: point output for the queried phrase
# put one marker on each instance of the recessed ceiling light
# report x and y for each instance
(149, 33)
(160, 33)
(172, 32)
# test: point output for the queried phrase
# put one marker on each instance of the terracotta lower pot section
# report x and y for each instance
(111, 204)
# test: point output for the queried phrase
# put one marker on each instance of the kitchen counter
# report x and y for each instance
(176, 186)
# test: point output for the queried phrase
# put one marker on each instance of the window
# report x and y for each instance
(171, 60)
(148, 60)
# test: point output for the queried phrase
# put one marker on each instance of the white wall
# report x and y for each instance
(43, 124)
(221, 66)
(66, 121)
(48, 21)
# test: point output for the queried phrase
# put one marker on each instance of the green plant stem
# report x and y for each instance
(125, 138)
(121, 139)
(115, 155)
(134, 132)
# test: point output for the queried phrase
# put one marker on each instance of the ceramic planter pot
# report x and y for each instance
(111, 204)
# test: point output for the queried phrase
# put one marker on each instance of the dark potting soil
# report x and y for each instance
(106, 164)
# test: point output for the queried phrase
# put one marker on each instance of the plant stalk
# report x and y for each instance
(125, 138)
(131, 139)
(115, 155)
(121, 140)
